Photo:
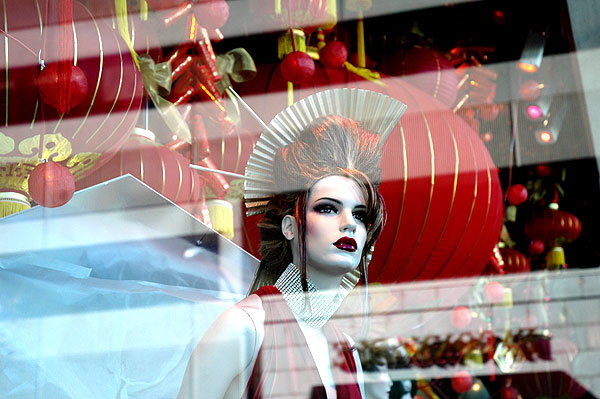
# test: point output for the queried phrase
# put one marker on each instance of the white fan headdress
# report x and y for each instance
(376, 112)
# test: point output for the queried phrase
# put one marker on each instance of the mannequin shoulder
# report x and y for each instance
(244, 319)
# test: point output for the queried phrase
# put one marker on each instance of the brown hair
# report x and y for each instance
(330, 145)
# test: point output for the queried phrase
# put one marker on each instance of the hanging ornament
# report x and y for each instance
(211, 14)
(297, 67)
(494, 291)
(536, 247)
(516, 194)
(514, 261)
(334, 54)
(51, 184)
(462, 381)
(49, 83)
(460, 317)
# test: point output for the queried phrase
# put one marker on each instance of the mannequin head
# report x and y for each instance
(329, 146)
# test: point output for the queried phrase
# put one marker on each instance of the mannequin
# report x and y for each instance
(323, 214)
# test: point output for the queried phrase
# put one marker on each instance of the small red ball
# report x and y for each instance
(462, 381)
(49, 84)
(334, 54)
(543, 170)
(537, 247)
(488, 112)
(51, 184)
(297, 67)
(494, 291)
(530, 90)
(212, 13)
(516, 194)
(461, 316)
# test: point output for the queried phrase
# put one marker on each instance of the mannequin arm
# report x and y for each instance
(222, 362)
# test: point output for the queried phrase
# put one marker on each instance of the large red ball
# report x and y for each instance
(516, 194)
(334, 54)
(461, 317)
(49, 82)
(462, 381)
(51, 184)
(297, 67)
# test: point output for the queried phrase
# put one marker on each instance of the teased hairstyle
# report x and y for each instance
(330, 145)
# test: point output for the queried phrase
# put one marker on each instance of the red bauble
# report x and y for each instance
(537, 247)
(516, 194)
(488, 112)
(514, 261)
(166, 171)
(334, 54)
(494, 291)
(426, 69)
(440, 185)
(462, 381)
(297, 67)
(211, 14)
(461, 317)
(49, 85)
(51, 184)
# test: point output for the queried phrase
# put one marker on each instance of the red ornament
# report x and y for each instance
(434, 230)
(537, 247)
(166, 171)
(509, 393)
(530, 90)
(553, 225)
(514, 261)
(333, 54)
(494, 291)
(516, 194)
(461, 317)
(488, 112)
(297, 67)
(51, 184)
(48, 85)
(462, 381)
(543, 170)
(426, 69)
(212, 14)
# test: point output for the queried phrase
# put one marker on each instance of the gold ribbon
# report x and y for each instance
(373, 76)
(236, 65)
(157, 80)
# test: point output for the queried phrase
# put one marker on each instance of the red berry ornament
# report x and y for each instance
(489, 112)
(333, 54)
(51, 184)
(494, 291)
(297, 67)
(462, 381)
(49, 83)
(537, 247)
(516, 194)
(461, 316)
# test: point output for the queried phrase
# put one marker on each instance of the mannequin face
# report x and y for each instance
(378, 383)
(335, 229)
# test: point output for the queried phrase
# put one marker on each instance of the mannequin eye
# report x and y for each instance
(360, 215)
(325, 208)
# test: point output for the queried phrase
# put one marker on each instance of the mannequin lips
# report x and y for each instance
(346, 244)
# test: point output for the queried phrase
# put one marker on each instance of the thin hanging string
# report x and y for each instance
(65, 54)
(41, 61)
(11, 37)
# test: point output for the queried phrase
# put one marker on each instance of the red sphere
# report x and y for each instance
(489, 112)
(49, 84)
(494, 291)
(461, 316)
(516, 194)
(51, 184)
(297, 67)
(334, 54)
(537, 247)
(514, 261)
(530, 90)
(212, 13)
(462, 381)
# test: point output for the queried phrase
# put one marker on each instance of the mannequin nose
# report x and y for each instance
(348, 223)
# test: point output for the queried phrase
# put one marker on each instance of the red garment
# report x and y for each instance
(285, 368)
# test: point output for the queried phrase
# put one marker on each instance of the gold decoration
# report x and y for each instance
(221, 217)
(11, 202)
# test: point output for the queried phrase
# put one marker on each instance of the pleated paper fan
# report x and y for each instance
(378, 113)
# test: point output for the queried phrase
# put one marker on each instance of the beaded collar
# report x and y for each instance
(314, 308)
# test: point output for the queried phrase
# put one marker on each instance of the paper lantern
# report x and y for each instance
(426, 69)
(440, 185)
(553, 225)
(33, 129)
(51, 184)
(166, 171)
(514, 261)
(297, 67)
(333, 54)
(48, 85)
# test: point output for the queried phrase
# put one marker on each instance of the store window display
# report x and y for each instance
(322, 216)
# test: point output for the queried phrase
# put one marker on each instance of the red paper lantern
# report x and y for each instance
(426, 69)
(333, 54)
(514, 261)
(516, 194)
(553, 225)
(297, 67)
(166, 171)
(48, 85)
(462, 381)
(51, 184)
(440, 185)
(97, 127)
(460, 317)
(212, 14)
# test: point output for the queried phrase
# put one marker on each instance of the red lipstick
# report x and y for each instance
(346, 244)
